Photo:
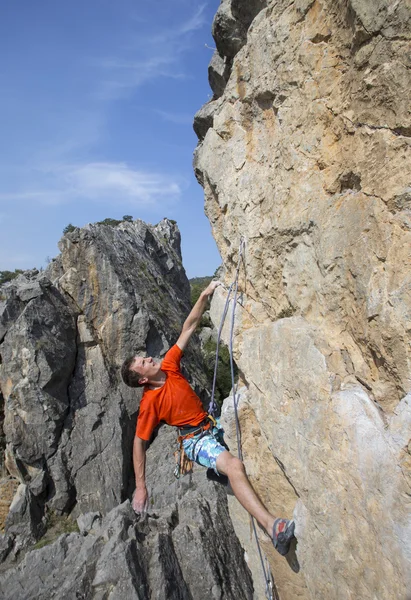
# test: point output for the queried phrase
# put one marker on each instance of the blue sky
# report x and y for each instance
(97, 104)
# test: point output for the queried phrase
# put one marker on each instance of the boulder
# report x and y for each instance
(184, 547)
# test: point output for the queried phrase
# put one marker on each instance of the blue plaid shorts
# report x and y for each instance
(206, 447)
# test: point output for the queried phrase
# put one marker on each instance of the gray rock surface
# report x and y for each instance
(229, 33)
(69, 425)
(218, 74)
(184, 548)
(203, 119)
(231, 23)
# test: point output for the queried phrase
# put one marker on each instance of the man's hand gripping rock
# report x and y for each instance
(140, 500)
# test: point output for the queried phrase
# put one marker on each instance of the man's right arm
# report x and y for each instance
(195, 315)
(140, 497)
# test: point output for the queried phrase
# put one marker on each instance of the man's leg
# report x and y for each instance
(234, 469)
(207, 451)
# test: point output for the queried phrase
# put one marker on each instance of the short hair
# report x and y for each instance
(130, 377)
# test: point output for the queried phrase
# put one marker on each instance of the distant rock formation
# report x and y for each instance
(305, 150)
(69, 426)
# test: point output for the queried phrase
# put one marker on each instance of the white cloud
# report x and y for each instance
(159, 55)
(125, 75)
(195, 22)
(107, 182)
(60, 169)
(177, 118)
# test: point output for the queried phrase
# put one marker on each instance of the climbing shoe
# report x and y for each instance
(283, 534)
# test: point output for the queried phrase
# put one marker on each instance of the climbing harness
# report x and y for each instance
(189, 431)
(269, 585)
(183, 464)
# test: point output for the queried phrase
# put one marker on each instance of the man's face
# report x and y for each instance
(147, 368)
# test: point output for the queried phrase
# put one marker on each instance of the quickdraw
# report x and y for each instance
(183, 464)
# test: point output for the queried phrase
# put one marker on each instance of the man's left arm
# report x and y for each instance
(195, 315)
(140, 496)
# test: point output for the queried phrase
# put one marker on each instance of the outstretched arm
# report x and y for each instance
(140, 496)
(195, 315)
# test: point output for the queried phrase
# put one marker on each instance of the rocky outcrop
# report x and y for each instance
(68, 417)
(69, 425)
(307, 155)
(185, 549)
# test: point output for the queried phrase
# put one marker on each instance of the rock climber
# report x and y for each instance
(168, 397)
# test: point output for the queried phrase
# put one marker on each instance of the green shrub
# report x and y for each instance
(205, 322)
(56, 526)
(223, 381)
(9, 275)
(197, 285)
(128, 218)
(287, 312)
(110, 222)
(69, 228)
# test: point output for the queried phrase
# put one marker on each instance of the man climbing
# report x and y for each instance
(168, 397)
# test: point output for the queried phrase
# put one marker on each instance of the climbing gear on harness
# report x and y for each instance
(283, 534)
(183, 464)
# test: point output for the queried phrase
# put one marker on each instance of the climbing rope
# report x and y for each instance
(213, 405)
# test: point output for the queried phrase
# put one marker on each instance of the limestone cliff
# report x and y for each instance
(305, 150)
(69, 425)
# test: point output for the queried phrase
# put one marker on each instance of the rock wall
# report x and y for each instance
(69, 425)
(186, 549)
(305, 151)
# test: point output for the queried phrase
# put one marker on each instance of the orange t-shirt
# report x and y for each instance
(175, 402)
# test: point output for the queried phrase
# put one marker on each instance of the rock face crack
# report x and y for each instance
(281, 465)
